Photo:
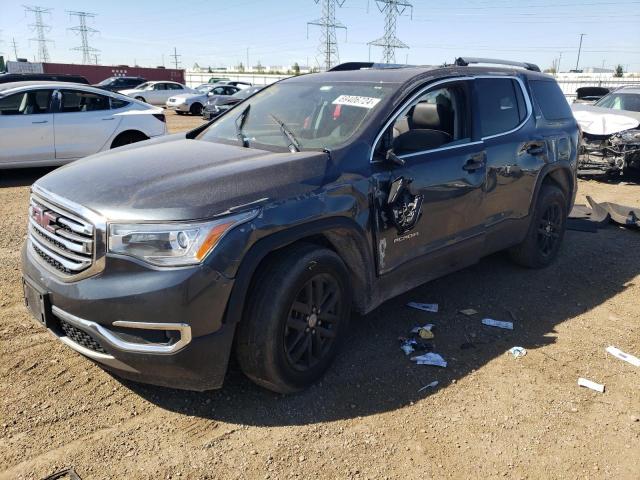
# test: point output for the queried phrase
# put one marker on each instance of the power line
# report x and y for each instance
(40, 28)
(176, 57)
(392, 9)
(328, 42)
(84, 31)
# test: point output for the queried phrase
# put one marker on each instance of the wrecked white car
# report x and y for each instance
(610, 133)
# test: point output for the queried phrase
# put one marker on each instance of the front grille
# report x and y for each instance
(61, 239)
(81, 337)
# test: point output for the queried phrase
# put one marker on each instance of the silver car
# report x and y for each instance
(193, 102)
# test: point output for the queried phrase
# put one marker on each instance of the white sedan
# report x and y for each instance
(157, 93)
(52, 123)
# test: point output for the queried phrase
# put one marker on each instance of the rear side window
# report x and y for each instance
(117, 103)
(550, 99)
(78, 101)
(501, 108)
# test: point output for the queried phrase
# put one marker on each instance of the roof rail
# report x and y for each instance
(465, 61)
(364, 65)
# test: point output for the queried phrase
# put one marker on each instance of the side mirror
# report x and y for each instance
(393, 158)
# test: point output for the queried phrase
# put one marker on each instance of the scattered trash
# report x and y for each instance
(598, 215)
(620, 214)
(518, 352)
(408, 346)
(433, 384)
(66, 474)
(583, 382)
(468, 312)
(428, 326)
(427, 307)
(424, 332)
(430, 359)
(497, 323)
(616, 352)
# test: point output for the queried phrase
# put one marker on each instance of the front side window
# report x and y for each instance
(621, 101)
(160, 86)
(79, 101)
(498, 104)
(315, 115)
(32, 102)
(145, 86)
(436, 119)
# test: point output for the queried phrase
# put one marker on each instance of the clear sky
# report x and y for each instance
(215, 32)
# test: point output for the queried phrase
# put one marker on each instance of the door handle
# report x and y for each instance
(476, 162)
(110, 118)
(41, 121)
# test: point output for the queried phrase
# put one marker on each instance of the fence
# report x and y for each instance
(569, 86)
(196, 78)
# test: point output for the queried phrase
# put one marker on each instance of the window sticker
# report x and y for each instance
(356, 101)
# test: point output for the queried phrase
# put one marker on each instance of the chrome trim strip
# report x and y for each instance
(69, 245)
(104, 334)
(63, 260)
(107, 360)
(525, 94)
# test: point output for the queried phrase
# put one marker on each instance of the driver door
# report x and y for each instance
(430, 204)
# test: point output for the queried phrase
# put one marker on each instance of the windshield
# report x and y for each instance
(620, 101)
(106, 81)
(204, 88)
(317, 115)
(245, 92)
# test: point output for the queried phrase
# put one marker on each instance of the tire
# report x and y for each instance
(180, 113)
(546, 231)
(141, 99)
(281, 328)
(196, 109)
(128, 137)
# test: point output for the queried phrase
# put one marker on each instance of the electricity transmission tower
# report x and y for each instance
(392, 9)
(40, 29)
(84, 31)
(328, 43)
(15, 48)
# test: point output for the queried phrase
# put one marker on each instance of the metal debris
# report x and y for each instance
(426, 307)
(583, 382)
(497, 323)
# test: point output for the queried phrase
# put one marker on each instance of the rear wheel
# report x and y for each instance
(295, 319)
(128, 137)
(179, 112)
(546, 231)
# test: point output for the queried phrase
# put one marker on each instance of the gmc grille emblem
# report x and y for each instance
(45, 218)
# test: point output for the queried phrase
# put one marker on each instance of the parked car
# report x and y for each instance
(590, 95)
(156, 93)
(115, 84)
(192, 102)
(218, 79)
(610, 128)
(51, 123)
(218, 104)
(318, 196)
(236, 83)
(42, 77)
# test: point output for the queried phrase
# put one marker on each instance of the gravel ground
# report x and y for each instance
(490, 416)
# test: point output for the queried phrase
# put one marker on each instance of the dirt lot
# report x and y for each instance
(490, 416)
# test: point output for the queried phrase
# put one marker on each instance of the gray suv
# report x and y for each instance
(259, 233)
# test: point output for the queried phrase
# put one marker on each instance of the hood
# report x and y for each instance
(604, 121)
(129, 91)
(181, 179)
(190, 96)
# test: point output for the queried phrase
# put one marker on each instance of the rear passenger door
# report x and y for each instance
(83, 123)
(515, 152)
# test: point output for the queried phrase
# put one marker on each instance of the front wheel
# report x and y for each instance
(546, 231)
(141, 99)
(196, 109)
(295, 320)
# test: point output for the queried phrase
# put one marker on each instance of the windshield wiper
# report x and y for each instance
(294, 145)
(240, 121)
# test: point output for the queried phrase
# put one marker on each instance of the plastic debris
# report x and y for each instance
(427, 307)
(430, 358)
(616, 352)
(583, 382)
(428, 326)
(424, 332)
(468, 312)
(433, 384)
(518, 352)
(408, 346)
(497, 323)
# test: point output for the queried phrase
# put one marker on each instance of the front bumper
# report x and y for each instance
(178, 107)
(163, 327)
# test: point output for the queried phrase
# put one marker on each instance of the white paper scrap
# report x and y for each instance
(616, 352)
(497, 323)
(356, 101)
(427, 307)
(428, 326)
(583, 382)
(430, 359)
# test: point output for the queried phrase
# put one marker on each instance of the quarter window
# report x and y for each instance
(79, 101)
(26, 103)
(550, 99)
(500, 108)
(117, 103)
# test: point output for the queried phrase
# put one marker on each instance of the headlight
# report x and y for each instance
(172, 244)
